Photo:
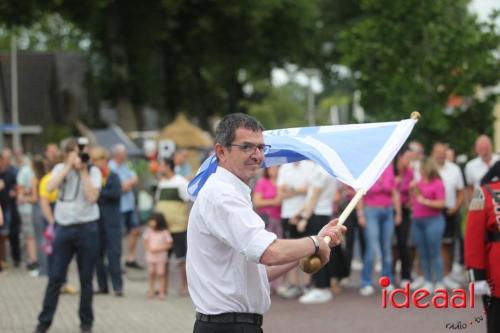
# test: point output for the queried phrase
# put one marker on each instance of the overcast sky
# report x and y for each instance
(484, 7)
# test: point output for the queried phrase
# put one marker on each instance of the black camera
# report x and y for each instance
(82, 143)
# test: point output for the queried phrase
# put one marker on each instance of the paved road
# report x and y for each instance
(21, 295)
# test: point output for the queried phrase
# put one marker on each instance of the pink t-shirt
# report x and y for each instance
(157, 239)
(433, 190)
(268, 190)
(380, 194)
(404, 185)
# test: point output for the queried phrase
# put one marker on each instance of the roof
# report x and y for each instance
(108, 137)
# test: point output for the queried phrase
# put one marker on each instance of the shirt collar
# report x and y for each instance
(232, 179)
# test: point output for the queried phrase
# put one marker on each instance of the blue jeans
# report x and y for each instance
(80, 239)
(378, 232)
(427, 234)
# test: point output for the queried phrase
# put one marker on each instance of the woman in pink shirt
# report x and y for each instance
(428, 224)
(380, 203)
(268, 204)
(266, 201)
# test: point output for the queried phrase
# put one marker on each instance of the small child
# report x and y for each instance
(157, 241)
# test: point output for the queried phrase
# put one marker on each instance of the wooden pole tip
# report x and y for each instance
(415, 115)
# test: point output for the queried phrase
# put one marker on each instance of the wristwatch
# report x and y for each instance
(316, 244)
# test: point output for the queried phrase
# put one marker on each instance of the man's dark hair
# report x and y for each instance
(169, 162)
(226, 130)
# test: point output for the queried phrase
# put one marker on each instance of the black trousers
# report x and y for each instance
(402, 236)
(492, 306)
(337, 266)
(204, 327)
(14, 236)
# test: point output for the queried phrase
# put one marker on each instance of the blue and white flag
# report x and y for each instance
(355, 154)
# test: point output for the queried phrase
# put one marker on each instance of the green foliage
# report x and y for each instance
(412, 55)
(56, 133)
(50, 32)
(199, 55)
(278, 107)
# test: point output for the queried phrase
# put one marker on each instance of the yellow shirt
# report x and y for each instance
(42, 189)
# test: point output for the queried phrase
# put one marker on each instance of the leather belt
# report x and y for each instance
(493, 236)
(232, 317)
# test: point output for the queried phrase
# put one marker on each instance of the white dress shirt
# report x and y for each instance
(320, 179)
(226, 239)
(453, 181)
(294, 175)
(476, 168)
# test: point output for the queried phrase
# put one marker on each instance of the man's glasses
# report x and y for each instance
(250, 148)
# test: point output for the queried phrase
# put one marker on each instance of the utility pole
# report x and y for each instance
(16, 137)
(2, 120)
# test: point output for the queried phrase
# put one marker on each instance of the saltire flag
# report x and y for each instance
(354, 154)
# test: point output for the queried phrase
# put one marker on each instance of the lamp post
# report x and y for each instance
(311, 110)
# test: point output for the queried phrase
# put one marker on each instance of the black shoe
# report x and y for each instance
(41, 329)
(133, 264)
(86, 330)
(119, 293)
(101, 292)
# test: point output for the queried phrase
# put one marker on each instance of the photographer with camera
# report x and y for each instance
(76, 214)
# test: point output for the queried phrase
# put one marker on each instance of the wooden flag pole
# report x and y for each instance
(312, 264)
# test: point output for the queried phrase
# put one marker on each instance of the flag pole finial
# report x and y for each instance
(415, 115)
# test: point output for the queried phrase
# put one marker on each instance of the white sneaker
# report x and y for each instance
(390, 288)
(34, 273)
(356, 265)
(292, 293)
(417, 283)
(282, 289)
(316, 296)
(428, 286)
(449, 283)
(439, 285)
(345, 282)
(403, 283)
(366, 291)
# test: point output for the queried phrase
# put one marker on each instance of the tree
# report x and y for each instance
(175, 55)
(415, 54)
(278, 107)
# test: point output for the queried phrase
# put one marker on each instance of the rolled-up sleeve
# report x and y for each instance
(95, 177)
(236, 224)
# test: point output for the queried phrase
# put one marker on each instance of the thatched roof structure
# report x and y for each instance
(185, 134)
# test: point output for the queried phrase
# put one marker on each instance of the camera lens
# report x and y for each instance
(85, 157)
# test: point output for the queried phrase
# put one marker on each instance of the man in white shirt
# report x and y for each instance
(452, 178)
(292, 184)
(231, 257)
(476, 168)
(314, 215)
(417, 154)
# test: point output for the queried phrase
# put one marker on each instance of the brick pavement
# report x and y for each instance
(21, 296)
